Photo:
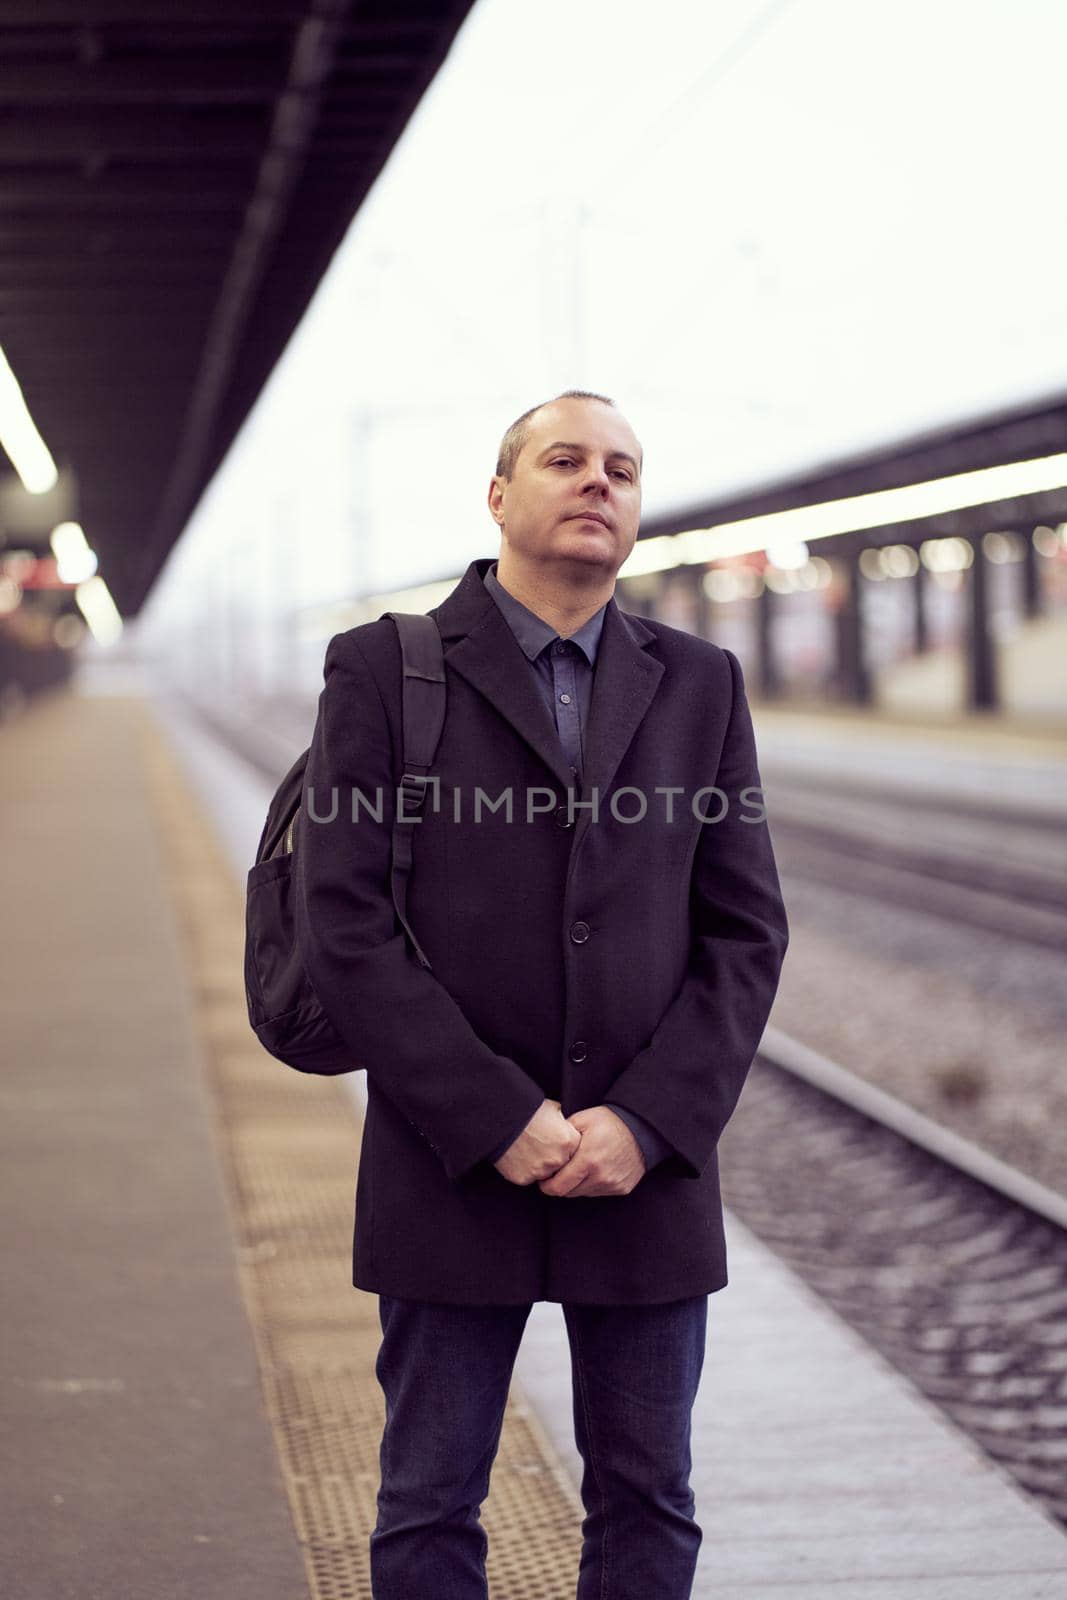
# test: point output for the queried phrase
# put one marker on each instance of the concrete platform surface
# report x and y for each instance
(136, 1460)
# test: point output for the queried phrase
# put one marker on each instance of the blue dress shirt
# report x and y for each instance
(563, 669)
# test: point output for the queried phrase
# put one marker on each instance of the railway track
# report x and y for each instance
(950, 1263)
(989, 866)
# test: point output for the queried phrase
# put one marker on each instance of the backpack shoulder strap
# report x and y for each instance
(423, 715)
(423, 688)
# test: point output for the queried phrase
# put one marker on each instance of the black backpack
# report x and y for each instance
(282, 1006)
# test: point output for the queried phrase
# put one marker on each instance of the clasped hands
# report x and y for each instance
(589, 1153)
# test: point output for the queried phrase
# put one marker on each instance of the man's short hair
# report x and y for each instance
(519, 432)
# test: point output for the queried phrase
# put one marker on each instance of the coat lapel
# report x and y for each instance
(624, 683)
(486, 653)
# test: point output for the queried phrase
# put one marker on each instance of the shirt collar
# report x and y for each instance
(533, 632)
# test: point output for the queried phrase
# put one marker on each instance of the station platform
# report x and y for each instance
(188, 1372)
(1001, 762)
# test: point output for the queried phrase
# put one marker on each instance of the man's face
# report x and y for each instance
(574, 499)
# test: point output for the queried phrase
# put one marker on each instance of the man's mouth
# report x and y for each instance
(588, 516)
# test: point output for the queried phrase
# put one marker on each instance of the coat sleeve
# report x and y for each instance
(402, 1024)
(687, 1080)
(654, 1146)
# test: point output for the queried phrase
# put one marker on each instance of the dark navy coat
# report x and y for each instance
(586, 959)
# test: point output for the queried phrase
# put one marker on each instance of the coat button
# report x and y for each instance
(578, 1050)
(562, 819)
(579, 932)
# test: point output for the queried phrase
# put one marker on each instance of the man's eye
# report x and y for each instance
(562, 461)
(620, 472)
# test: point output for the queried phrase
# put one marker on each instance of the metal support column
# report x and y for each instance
(704, 614)
(921, 634)
(852, 675)
(766, 666)
(1033, 599)
(981, 649)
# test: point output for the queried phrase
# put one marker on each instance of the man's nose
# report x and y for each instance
(596, 478)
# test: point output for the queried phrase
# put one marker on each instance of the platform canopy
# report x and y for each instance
(174, 178)
(1021, 433)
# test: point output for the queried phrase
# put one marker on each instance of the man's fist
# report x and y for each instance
(608, 1161)
(544, 1145)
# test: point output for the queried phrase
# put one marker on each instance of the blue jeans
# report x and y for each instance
(445, 1372)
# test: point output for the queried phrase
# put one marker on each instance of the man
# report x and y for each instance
(596, 893)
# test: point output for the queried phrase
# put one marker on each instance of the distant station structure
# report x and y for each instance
(945, 541)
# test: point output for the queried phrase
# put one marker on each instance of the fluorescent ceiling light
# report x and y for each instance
(855, 514)
(74, 560)
(99, 610)
(26, 449)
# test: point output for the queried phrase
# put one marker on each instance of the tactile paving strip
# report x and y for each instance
(289, 1148)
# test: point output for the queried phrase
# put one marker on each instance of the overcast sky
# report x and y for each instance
(774, 230)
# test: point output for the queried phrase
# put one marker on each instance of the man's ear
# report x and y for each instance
(496, 499)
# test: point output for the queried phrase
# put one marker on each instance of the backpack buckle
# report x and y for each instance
(412, 796)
